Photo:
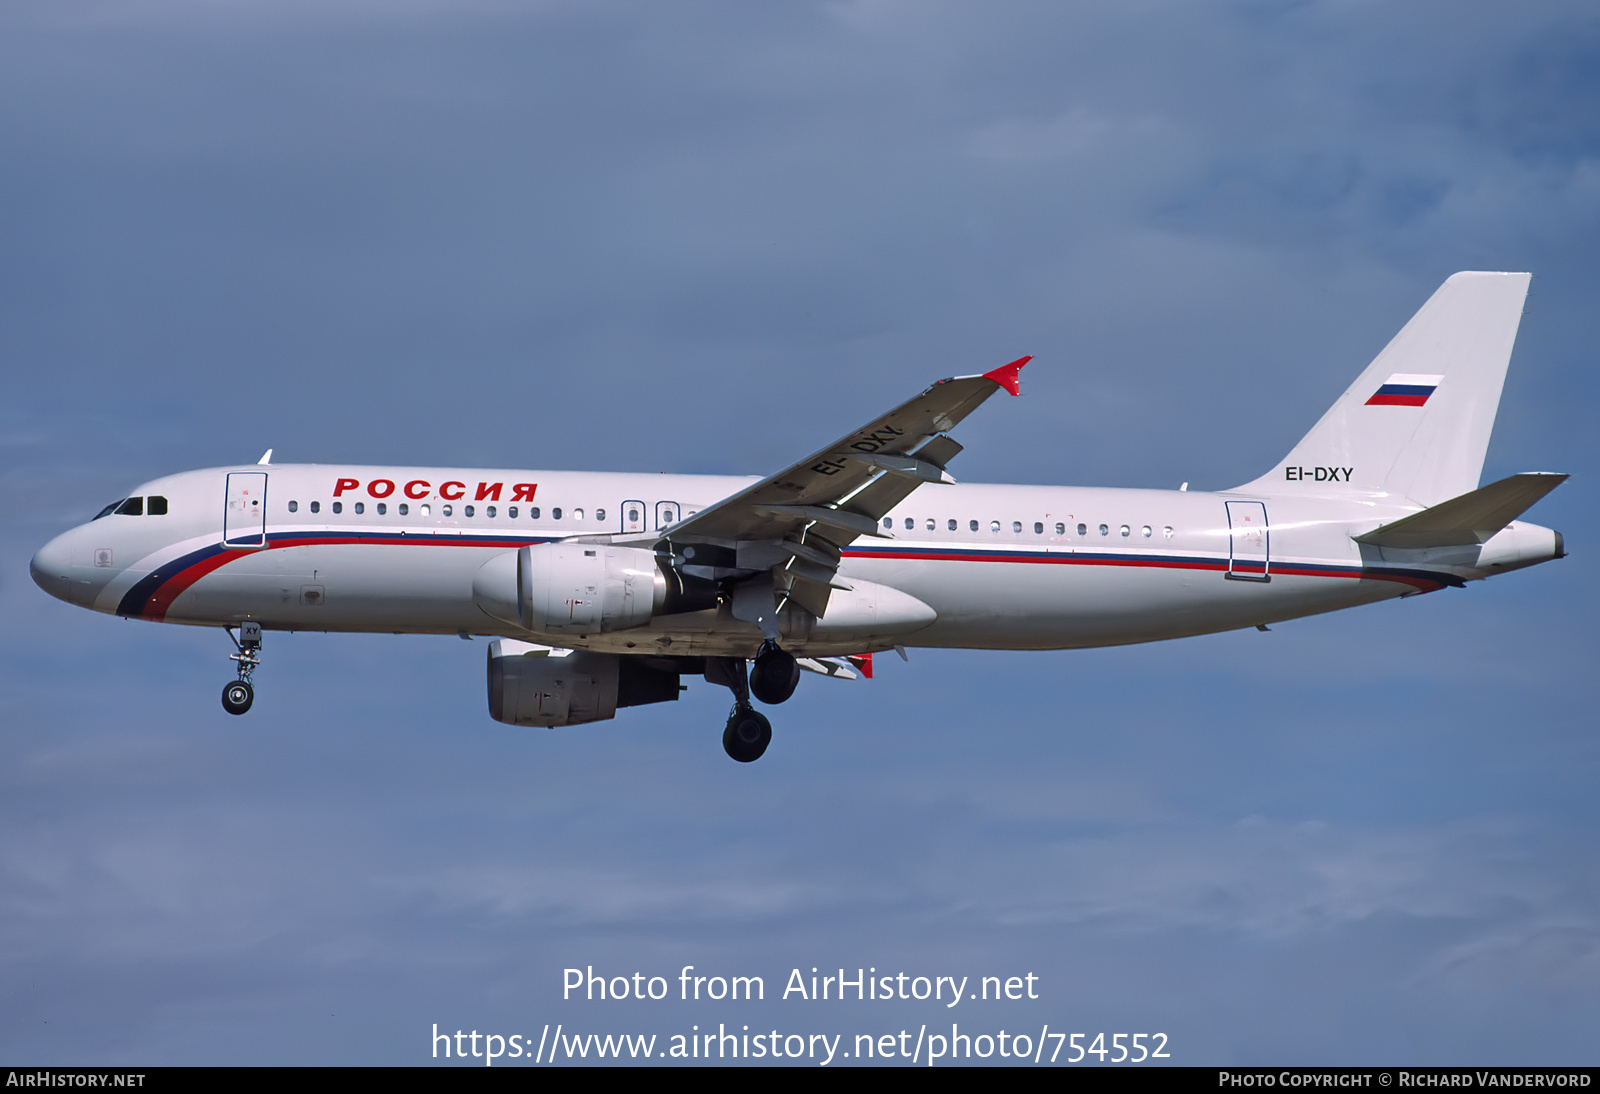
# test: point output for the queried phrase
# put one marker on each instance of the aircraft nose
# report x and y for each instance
(52, 567)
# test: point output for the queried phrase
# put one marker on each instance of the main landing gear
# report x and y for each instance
(239, 694)
(772, 680)
(748, 734)
(775, 674)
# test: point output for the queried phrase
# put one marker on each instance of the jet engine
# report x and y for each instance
(533, 685)
(571, 588)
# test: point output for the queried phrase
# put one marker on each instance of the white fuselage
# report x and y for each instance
(386, 549)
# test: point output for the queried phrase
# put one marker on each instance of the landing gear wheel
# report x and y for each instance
(747, 735)
(774, 676)
(237, 696)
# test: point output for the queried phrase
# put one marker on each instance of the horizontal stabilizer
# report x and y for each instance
(1470, 518)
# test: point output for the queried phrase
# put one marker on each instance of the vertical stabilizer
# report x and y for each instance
(1415, 425)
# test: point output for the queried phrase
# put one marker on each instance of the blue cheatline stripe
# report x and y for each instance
(134, 600)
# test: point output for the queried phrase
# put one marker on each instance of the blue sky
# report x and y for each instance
(708, 238)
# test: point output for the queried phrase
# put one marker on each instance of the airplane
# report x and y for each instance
(601, 591)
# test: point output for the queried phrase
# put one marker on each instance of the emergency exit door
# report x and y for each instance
(633, 516)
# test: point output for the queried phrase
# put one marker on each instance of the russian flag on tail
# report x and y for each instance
(1405, 389)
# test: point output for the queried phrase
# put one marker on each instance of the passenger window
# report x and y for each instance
(511, 512)
(1145, 531)
(446, 510)
(972, 526)
(1167, 531)
(577, 514)
(1104, 531)
(1083, 529)
(361, 507)
(1124, 529)
(1061, 529)
(294, 507)
(316, 507)
(951, 526)
(555, 514)
(469, 510)
(489, 511)
(533, 512)
(338, 507)
(931, 524)
(633, 516)
(133, 507)
(405, 509)
(994, 526)
(600, 514)
(424, 509)
(158, 506)
(910, 524)
(888, 522)
(1016, 526)
(1038, 528)
(383, 509)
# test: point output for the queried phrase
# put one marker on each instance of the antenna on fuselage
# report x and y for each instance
(266, 458)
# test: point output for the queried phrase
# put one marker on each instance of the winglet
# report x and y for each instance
(1007, 376)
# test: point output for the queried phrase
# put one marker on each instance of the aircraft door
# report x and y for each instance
(244, 518)
(667, 512)
(633, 516)
(1248, 541)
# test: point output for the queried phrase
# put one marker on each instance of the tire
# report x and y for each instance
(774, 676)
(747, 736)
(237, 696)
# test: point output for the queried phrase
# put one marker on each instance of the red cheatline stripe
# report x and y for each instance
(156, 607)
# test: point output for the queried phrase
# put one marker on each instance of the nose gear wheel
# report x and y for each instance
(237, 695)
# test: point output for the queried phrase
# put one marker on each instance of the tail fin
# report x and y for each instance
(1415, 425)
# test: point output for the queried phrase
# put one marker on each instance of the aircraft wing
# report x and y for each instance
(796, 522)
(832, 488)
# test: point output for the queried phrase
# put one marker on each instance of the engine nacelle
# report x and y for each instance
(533, 685)
(571, 588)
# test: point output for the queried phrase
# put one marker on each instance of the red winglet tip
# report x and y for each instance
(862, 661)
(1009, 376)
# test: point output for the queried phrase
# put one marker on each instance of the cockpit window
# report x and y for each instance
(133, 507)
(108, 510)
(157, 506)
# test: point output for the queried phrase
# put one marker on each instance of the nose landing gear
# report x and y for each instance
(239, 694)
